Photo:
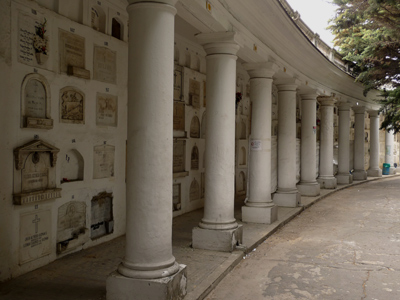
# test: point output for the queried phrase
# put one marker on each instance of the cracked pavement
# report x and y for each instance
(347, 246)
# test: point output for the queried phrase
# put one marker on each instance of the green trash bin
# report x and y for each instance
(386, 168)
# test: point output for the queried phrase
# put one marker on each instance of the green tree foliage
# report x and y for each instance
(368, 36)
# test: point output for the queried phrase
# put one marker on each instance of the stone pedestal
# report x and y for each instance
(389, 144)
(148, 260)
(218, 221)
(374, 170)
(287, 194)
(359, 133)
(170, 288)
(326, 178)
(259, 207)
(344, 176)
(308, 185)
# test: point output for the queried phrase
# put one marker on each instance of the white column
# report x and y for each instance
(374, 170)
(389, 145)
(149, 268)
(259, 207)
(287, 194)
(308, 185)
(359, 140)
(326, 178)
(344, 176)
(218, 230)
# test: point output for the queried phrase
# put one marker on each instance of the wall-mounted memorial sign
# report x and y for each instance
(35, 102)
(35, 173)
(104, 64)
(72, 105)
(106, 110)
(102, 221)
(103, 161)
(72, 54)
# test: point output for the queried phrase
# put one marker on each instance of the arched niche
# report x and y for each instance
(242, 156)
(203, 126)
(194, 193)
(194, 158)
(35, 102)
(195, 127)
(98, 19)
(243, 130)
(117, 28)
(72, 166)
(242, 182)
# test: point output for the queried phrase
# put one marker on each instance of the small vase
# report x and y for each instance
(41, 58)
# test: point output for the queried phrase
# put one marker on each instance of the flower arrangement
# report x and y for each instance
(40, 41)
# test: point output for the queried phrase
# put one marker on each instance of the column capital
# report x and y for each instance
(344, 106)
(326, 100)
(288, 84)
(169, 2)
(219, 42)
(261, 70)
(373, 113)
(309, 96)
(359, 109)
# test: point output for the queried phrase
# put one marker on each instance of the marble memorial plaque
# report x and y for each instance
(194, 193)
(72, 105)
(102, 222)
(35, 174)
(35, 99)
(26, 33)
(103, 161)
(195, 127)
(178, 83)
(194, 93)
(176, 196)
(179, 116)
(35, 235)
(71, 220)
(104, 64)
(71, 50)
(106, 110)
(179, 156)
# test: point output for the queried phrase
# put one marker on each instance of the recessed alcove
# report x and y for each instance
(194, 193)
(117, 29)
(242, 130)
(194, 159)
(98, 19)
(72, 166)
(195, 127)
(242, 156)
(203, 126)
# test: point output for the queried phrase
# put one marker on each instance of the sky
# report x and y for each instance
(316, 13)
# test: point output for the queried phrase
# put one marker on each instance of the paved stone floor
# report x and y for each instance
(347, 246)
(355, 256)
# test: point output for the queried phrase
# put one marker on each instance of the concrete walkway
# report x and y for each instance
(82, 275)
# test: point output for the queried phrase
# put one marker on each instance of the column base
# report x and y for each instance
(328, 182)
(360, 175)
(374, 173)
(344, 178)
(167, 288)
(261, 215)
(217, 240)
(309, 189)
(287, 199)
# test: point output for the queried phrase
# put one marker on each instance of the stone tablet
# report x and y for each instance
(194, 160)
(71, 220)
(195, 127)
(179, 156)
(26, 32)
(106, 110)
(71, 50)
(194, 93)
(194, 193)
(102, 222)
(104, 64)
(179, 116)
(176, 196)
(72, 105)
(203, 126)
(103, 161)
(35, 235)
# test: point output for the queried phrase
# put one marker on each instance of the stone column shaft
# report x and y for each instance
(359, 139)
(218, 230)
(287, 194)
(148, 258)
(259, 207)
(344, 176)
(326, 178)
(389, 144)
(308, 185)
(374, 170)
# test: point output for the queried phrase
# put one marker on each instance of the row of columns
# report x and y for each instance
(149, 270)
